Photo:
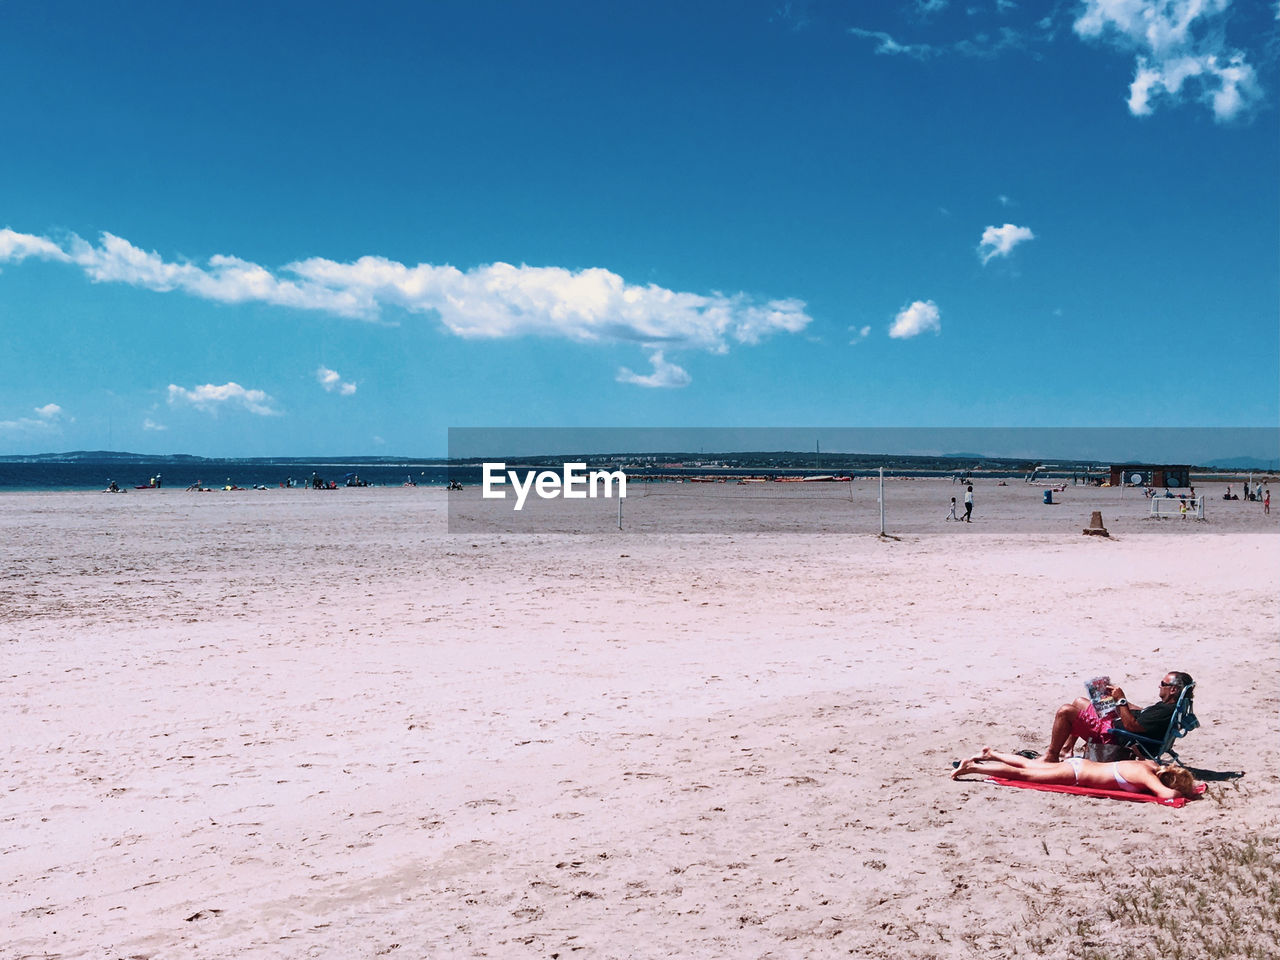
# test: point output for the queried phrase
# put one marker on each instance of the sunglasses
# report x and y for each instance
(1163, 684)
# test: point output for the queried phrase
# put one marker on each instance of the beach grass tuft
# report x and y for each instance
(1217, 901)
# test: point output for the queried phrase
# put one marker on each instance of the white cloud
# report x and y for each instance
(332, 382)
(1000, 241)
(986, 43)
(493, 301)
(664, 374)
(1005, 201)
(16, 247)
(24, 425)
(47, 419)
(859, 334)
(921, 316)
(210, 398)
(1177, 45)
(149, 424)
(889, 46)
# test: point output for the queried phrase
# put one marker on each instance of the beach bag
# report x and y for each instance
(1106, 752)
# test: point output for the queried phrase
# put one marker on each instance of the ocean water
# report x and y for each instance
(95, 475)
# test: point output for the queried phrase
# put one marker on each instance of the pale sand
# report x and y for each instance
(288, 724)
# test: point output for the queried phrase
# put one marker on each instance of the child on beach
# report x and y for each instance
(952, 514)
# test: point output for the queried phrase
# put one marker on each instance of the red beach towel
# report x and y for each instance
(1095, 792)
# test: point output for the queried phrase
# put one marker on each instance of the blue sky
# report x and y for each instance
(310, 228)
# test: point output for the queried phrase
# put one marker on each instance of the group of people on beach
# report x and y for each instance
(1257, 494)
(1079, 720)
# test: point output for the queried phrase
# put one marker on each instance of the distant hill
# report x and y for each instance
(103, 456)
(795, 459)
(1244, 463)
(118, 456)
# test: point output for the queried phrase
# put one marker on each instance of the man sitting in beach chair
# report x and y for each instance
(1079, 719)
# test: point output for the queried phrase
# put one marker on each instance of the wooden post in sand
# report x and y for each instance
(882, 501)
(1095, 527)
(619, 512)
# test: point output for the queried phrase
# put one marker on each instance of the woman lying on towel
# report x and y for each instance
(1130, 776)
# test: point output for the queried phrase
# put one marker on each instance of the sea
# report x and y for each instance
(128, 474)
(96, 475)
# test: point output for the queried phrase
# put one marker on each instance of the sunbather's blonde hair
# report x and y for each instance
(1178, 778)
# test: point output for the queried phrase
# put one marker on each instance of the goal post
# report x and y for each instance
(1165, 507)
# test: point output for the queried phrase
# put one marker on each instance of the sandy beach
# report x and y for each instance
(291, 724)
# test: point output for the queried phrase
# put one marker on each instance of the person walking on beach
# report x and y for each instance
(952, 514)
(1266, 501)
(968, 504)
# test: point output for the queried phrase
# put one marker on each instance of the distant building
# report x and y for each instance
(1151, 474)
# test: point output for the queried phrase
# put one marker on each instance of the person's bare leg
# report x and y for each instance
(1035, 771)
(988, 767)
(1008, 759)
(1062, 723)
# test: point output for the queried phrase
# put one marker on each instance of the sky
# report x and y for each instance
(319, 228)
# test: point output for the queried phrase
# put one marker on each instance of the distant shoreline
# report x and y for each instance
(763, 461)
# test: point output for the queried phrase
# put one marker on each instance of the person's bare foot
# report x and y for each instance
(967, 765)
(986, 753)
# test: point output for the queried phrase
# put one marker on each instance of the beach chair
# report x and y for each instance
(1181, 723)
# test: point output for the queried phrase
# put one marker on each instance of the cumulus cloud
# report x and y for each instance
(919, 317)
(47, 418)
(210, 398)
(1179, 45)
(664, 374)
(332, 382)
(492, 301)
(1000, 241)
(149, 424)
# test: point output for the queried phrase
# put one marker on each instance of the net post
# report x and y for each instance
(882, 501)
